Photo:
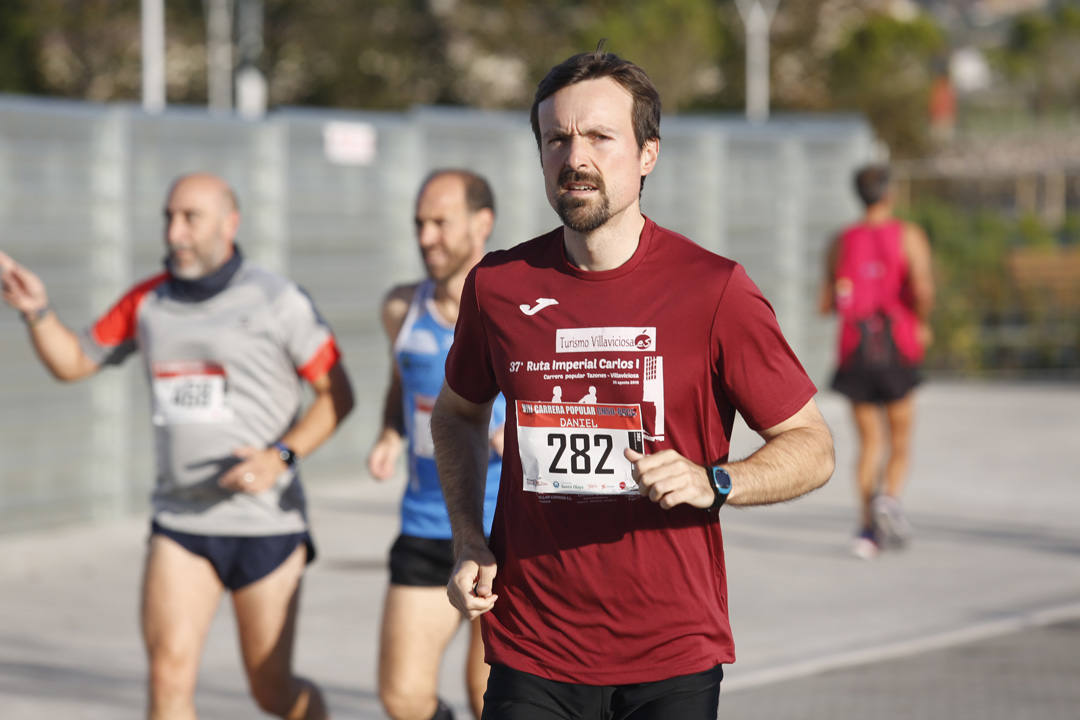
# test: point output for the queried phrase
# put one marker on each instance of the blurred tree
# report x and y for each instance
(884, 69)
(89, 49)
(675, 41)
(988, 308)
(18, 72)
(378, 54)
(1042, 58)
(85, 49)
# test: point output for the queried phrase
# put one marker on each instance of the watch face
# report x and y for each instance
(721, 480)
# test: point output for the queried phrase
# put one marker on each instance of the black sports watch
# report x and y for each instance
(721, 485)
(285, 453)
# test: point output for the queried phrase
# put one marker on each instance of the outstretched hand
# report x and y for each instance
(21, 289)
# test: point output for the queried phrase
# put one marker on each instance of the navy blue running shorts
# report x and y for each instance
(240, 560)
(516, 695)
(421, 562)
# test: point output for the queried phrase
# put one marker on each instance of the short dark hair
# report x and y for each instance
(478, 195)
(599, 64)
(872, 183)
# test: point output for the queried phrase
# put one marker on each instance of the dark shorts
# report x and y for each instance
(515, 695)
(421, 562)
(876, 384)
(240, 560)
(876, 371)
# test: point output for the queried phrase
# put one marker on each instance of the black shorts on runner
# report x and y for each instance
(875, 372)
(421, 562)
(240, 560)
(875, 384)
(515, 695)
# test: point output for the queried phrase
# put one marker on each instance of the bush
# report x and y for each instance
(987, 317)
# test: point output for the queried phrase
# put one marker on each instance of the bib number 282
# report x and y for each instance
(579, 460)
(576, 448)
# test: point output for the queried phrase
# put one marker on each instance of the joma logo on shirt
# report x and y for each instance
(605, 339)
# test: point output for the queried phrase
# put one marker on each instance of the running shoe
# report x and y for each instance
(865, 545)
(892, 526)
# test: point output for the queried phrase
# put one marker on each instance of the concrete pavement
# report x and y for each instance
(980, 617)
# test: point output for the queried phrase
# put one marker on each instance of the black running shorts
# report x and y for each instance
(876, 384)
(515, 695)
(421, 562)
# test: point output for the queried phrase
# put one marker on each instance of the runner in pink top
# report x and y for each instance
(624, 351)
(880, 284)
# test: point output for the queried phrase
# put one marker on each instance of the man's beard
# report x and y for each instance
(453, 265)
(579, 214)
(192, 271)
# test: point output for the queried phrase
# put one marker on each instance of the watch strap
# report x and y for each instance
(720, 480)
(33, 317)
(285, 453)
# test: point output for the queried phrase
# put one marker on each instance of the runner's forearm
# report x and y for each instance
(461, 455)
(333, 401)
(58, 349)
(393, 415)
(788, 465)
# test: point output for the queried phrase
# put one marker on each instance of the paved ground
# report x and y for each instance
(980, 618)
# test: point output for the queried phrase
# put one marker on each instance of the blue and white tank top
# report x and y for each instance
(420, 352)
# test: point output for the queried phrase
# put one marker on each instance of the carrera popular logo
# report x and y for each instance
(605, 339)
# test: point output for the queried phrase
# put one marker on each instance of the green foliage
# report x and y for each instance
(884, 69)
(983, 321)
(16, 46)
(1032, 232)
(673, 40)
(1070, 230)
(1042, 58)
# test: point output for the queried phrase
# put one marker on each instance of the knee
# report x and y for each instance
(274, 693)
(401, 705)
(872, 447)
(173, 673)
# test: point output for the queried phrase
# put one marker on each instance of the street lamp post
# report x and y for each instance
(757, 16)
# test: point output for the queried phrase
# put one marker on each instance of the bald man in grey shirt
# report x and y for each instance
(224, 345)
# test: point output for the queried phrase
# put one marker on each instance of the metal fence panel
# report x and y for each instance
(81, 192)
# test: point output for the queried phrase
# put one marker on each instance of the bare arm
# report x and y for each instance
(56, 345)
(920, 269)
(827, 294)
(497, 440)
(384, 453)
(797, 457)
(460, 430)
(333, 401)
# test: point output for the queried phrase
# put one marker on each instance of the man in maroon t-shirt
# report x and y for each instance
(604, 591)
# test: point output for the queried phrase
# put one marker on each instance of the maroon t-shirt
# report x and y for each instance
(598, 585)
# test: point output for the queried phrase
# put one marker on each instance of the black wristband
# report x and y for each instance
(285, 453)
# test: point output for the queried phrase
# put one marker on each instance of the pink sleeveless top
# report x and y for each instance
(872, 277)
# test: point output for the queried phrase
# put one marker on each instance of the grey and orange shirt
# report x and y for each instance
(224, 372)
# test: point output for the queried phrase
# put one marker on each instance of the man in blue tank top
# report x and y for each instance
(455, 214)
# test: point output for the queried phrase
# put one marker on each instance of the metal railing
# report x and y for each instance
(327, 198)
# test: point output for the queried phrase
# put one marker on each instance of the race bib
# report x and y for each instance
(190, 392)
(423, 445)
(577, 448)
